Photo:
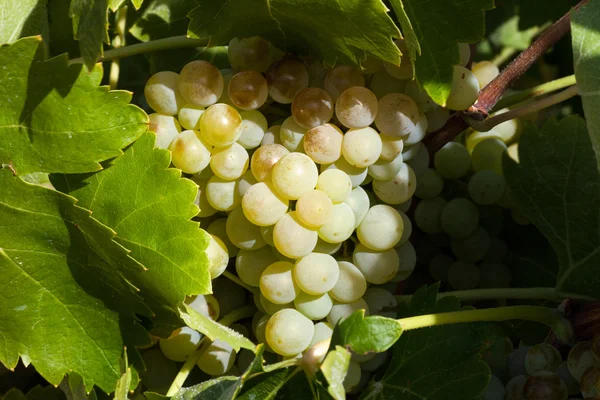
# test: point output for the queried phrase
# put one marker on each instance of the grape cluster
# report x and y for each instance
(539, 371)
(309, 210)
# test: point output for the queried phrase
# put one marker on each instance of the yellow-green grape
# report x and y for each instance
(341, 78)
(272, 135)
(181, 344)
(253, 53)
(259, 325)
(245, 182)
(254, 126)
(428, 215)
(166, 128)
(429, 185)
(407, 228)
(356, 107)
(460, 217)
(391, 147)
(205, 209)
(288, 332)
(359, 203)
(452, 161)
(486, 187)
(357, 174)
(248, 90)
(474, 138)
(340, 225)
(323, 331)
(378, 267)
(508, 129)
(590, 383)
(336, 184)
(381, 229)
(243, 233)
(291, 135)
(277, 283)
(327, 248)
(465, 53)
(220, 125)
(382, 84)
(545, 385)
(316, 273)
(418, 133)
(267, 234)
(485, 72)
(286, 77)
(397, 115)
(383, 170)
(352, 378)
(206, 305)
(420, 96)
(263, 160)
(250, 264)
(200, 83)
(398, 189)
(381, 302)
(323, 144)
(312, 107)
(162, 92)
(437, 118)
(262, 205)
(314, 208)
(542, 357)
(189, 116)
(581, 359)
(217, 359)
(223, 195)
(361, 147)
(465, 89)
(405, 69)
(339, 311)
(315, 307)
(217, 228)
(217, 256)
(351, 284)
(270, 307)
(293, 175)
(463, 276)
(189, 153)
(487, 155)
(292, 238)
(229, 162)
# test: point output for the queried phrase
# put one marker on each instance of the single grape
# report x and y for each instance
(472, 248)
(459, 218)
(357, 174)
(514, 388)
(227, 76)
(361, 147)
(339, 311)
(429, 185)
(542, 357)
(464, 51)
(381, 229)
(206, 210)
(229, 162)
(452, 161)
(323, 331)
(545, 385)
(381, 302)
(465, 89)
(271, 308)
(162, 93)
(181, 344)
(405, 69)
(407, 225)
(327, 248)
(384, 170)
(293, 175)
(316, 273)
(222, 195)
(245, 182)
(262, 205)
(340, 225)
(359, 203)
(439, 267)
(397, 115)
(341, 78)
(314, 208)
(206, 305)
(250, 264)
(259, 325)
(516, 361)
(272, 135)
(382, 84)
(277, 283)
(408, 261)
(351, 284)
(507, 130)
(356, 107)
(463, 276)
(217, 256)
(314, 307)
(391, 148)
(243, 233)
(200, 83)
(189, 153)
(263, 160)
(252, 53)
(323, 144)
(420, 162)
(487, 155)
(486, 187)
(217, 359)
(485, 72)
(254, 127)
(292, 238)
(473, 138)
(437, 118)
(166, 128)
(189, 115)
(418, 133)
(398, 189)
(428, 215)
(580, 359)
(420, 96)
(286, 78)
(336, 184)
(248, 90)
(288, 332)
(378, 267)
(494, 390)
(217, 228)
(312, 107)
(220, 125)
(352, 378)
(513, 152)
(291, 135)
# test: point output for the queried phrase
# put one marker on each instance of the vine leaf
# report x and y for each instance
(586, 49)
(557, 186)
(149, 206)
(438, 27)
(441, 362)
(335, 368)
(161, 19)
(55, 118)
(21, 18)
(333, 31)
(61, 299)
(363, 335)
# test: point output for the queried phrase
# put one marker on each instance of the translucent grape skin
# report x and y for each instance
(315, 307)
(262, 205)
(460, 217)
(465, 89)
(312, 107)
(340, 225)
(293, 175)
(286, 77)
(181, 344)
(336, 184)
(189, 153)
(249, 54)
(189, 115)
(398, 189)
(220, 125)
(381, 228)
(486, 187)
(292, 238)
(217, 256)
(580, 359)
(339, 311)
(452, 161)
(357, 175)
(223, 195)
(206, 305)
(545, 385)
(341, 78)
(288, 332)
(277, 283)
(361, 147)
(166, 128)
(405, 69)
(291, 135)
(352, 378)
(487, 155)
(254, 126)
(243, 233)
(485, 72)
(351, 284)
(264, 158)
(314, 208)
(356, 107)
(381, 302)
(250, 264)
(162, 93)
(429, 185)
(217, 359)
(316, 273)
(359, 203)
(397, 115)
(248, 90)
(542, 357)
(201, 83)
(229, 162)
(378, 267)
(323, 144)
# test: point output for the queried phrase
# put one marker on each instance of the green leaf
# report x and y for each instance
(213, 330)
(221, 388)
(23, 18)
(540, 12)
(90, 27)
(434, 363)
(284, 383)
(124, 382)
(557, 186)
(161, 19)
(586, 54)
(149, 206)
(335, 32)
(61, 300)
(363, 335)
(14, 394)
(334, 368)
(55, 118)
(508, 34)
(45, 393)
(439, 26)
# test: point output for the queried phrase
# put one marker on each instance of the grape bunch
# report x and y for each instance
(305, 176)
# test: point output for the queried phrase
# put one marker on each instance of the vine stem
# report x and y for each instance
(539, 293)
(536, 91)
(174, 42)
(490, 123)
(118, 42)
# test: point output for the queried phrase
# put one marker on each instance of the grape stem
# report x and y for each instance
(490, 123)
(118, 42)
(539, 293)
(174, 42)
(536, 91)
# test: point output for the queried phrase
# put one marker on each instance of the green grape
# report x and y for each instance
(494, 390)
(286, 78)
(189, 115)
(381, 302)
(217, 256)
(229, 294)
(159, 372)
(580, 359)
(439, 267)
(252, 53)
(384, 170)
(398, 189)
(459, 218)
(166, 128)
(452, 161)
(378, 267)
(485, 72)
(516, 361)
(291, 135)
(271, 308)
(382, 84)
(429, 185)
(465, 89)
(341, 78)
(181, 344)
(473, 138)
(487, 155)
(381, 229)
(464, 50)
(486, 187)
(408, 261)
(340, 225)
(277, 283)
(314, 208)
(397, 115)
(292, 238)
(189, 153)
(514, 388)
(245, 182)
(254, 126)
(263, 160)
(250, 264)
(437, 118)
(248, 90)
(359, 203)
(472, 248)
(267, 234)
(357, 174)
(272, 135)
(229, 163)
(243, 233)
(361, 147)
(206, 305)
(222, 194)
(351, 284)
(590, 382)
(356, 107)
(259, 326)
(563, 372)
(326, 248)
(494, 275)
(217, 228)
(162, 93)
(497, 252)
(420, 162)
(200, 83)
(336, 184)
(513, 152)
(352, 378)
(206, 210)
(289, 332)
(463, 276)
(312, 107)
(262, 205)
(392, 148)
(339, 311)
(508, 129)
(410, 152)
(542, 357)
(314, 307)
(220, 125)
(323, 144)
(545, 385)
(420, 96)
(217, 359)
(323, 331)
(428, 215)
(418, 133)
(316, 273)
